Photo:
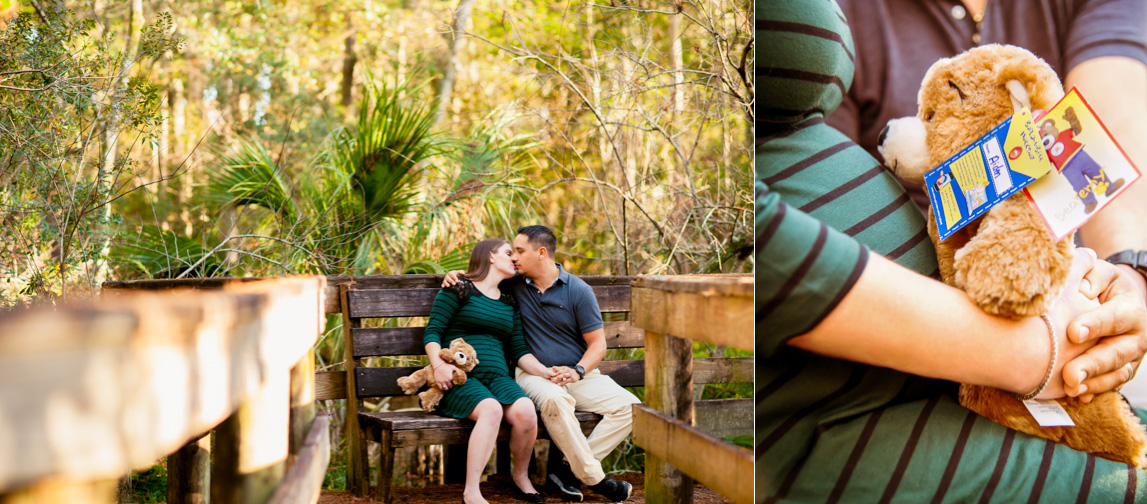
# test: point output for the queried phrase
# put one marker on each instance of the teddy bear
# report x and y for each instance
(1006, 260)
(460, 354)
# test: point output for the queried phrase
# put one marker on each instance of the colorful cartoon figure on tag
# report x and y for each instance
(1071, 159)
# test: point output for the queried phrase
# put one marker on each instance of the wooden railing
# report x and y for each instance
(675, 311)
(92, 392)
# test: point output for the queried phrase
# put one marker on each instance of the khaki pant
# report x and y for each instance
(596, 393)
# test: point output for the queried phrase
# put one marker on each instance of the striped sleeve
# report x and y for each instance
(446, 304)
(518, 347)
(804, 269)
(808, 66)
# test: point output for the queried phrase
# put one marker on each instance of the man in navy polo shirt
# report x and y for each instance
(563, 328)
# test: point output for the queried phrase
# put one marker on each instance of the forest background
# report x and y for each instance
(176, 139)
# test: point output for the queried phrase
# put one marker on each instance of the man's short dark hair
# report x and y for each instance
(540, 236)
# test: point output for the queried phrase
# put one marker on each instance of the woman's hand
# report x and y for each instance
(1071, 304)
(444, 374)
(547, 373)
(1118, 330)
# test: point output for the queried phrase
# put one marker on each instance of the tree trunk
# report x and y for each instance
(179, 154)
(457, 32)
(160, 151)
(677, 59)
(111, 144)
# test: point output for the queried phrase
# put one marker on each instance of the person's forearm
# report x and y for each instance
(920, 326)
(432, 350)
(1116, 88)
(531, 365)
(595, 341)
(592, 357)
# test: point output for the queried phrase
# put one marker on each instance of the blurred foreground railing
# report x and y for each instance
(674, 311)
(91, 392)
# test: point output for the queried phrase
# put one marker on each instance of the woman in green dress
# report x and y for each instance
(489, 320)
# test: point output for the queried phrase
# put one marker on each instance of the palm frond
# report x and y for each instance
(458, 259)
(248, 176)
(384, 153)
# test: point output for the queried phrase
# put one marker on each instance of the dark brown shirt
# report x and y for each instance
(898, 40)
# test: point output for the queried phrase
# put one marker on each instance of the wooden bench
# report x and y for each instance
(366, 298)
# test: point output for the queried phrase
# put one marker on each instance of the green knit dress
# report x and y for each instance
(494, 328)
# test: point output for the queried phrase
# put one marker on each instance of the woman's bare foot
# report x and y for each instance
(474, 497)
(524, 484)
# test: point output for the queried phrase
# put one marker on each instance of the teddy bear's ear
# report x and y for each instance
(1019, 94)
(1030, 81)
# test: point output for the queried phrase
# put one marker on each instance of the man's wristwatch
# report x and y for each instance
(580, 371)
(1137, 259)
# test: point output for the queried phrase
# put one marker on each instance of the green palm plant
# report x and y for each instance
(385, 152)
(248, 176)
(348, 197)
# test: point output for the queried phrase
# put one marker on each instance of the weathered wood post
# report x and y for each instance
(251, 446)
(357, 464)
(302, 403)
(189, 472)
(668, 389)
(675, 310)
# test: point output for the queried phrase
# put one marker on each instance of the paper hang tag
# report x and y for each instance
(994, 167)
(1049, 413)
(1091, 167)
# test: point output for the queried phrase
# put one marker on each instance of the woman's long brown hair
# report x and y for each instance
(480, 258)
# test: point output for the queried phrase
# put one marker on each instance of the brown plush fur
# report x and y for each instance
(460, 353)
(1007, 261)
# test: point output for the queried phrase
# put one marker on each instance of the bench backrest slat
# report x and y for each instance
(393, 341)
(382, 381)
(373, 303)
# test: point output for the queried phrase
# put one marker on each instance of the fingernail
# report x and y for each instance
(1083, 332)
(1084, 286)
(1082, 390)
(1082, 376)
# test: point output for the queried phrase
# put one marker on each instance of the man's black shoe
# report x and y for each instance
(555, 485)
(614, 490)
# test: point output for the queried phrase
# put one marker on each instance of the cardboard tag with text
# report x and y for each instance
(995, 166)
(1091, 169)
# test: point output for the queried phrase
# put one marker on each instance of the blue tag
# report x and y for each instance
(994, 167)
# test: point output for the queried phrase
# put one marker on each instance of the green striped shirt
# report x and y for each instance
(492, 326)
(830, 430)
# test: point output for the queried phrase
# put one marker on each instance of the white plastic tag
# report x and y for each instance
(1049, 413)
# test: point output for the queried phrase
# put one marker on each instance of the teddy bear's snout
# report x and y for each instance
(902, 144)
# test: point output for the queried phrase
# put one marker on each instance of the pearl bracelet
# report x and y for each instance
(1051, 365)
